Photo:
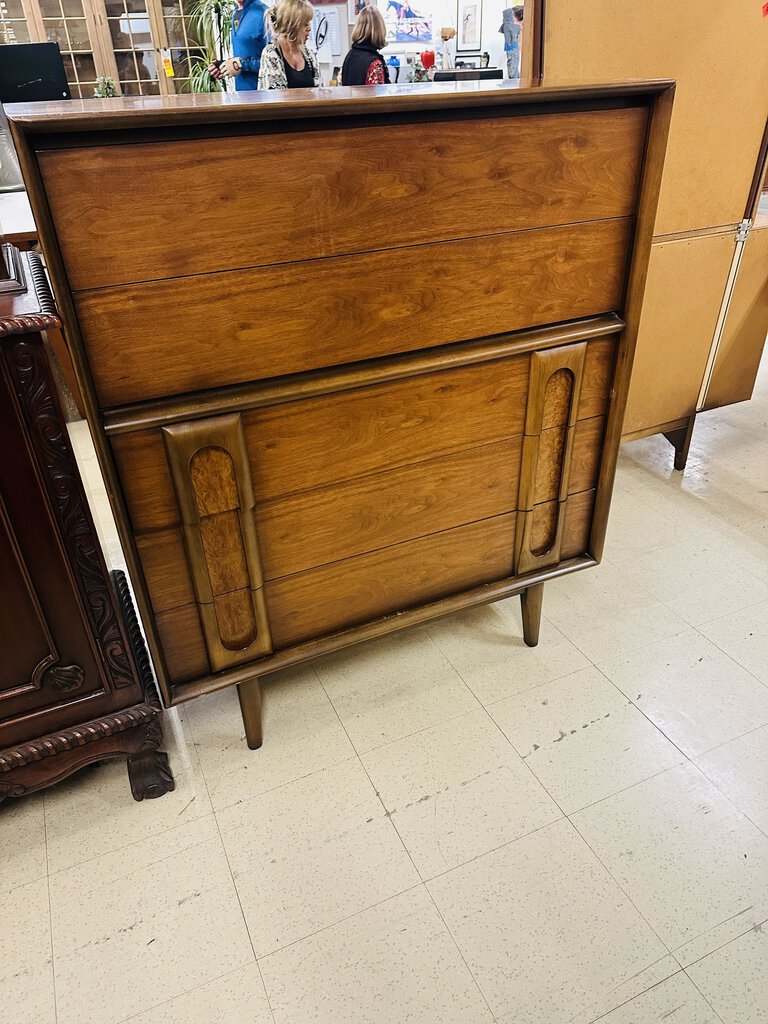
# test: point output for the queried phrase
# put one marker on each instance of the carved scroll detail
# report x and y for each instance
(212, 479)
(32, 383)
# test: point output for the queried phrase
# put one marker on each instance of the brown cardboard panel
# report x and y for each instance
(718, 55)
(686, 282)
(743, 338)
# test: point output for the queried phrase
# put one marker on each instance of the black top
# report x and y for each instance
(355, 67)
(304, 79)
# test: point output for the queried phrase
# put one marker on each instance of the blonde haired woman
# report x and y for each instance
(287, 62)
(364, 65)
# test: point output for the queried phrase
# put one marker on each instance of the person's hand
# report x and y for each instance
(230, 68)
(213, 69)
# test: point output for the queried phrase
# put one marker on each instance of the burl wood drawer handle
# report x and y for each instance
(212, 480)
(554, 390)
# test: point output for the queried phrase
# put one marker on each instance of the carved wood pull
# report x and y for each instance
(212, 479)
(554, 390)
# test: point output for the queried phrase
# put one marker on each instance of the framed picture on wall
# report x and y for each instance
(354, 7)
(470, 23)
(407, 21)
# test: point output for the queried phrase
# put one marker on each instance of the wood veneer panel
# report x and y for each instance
(254, 324)
(741, 346)
(334, 596)
(576, 528)
(326, 440)
(585, 459)
(502, 174)
(182, 641)
(166, 570)
(719, 111)
(331, 523)
(686, 282)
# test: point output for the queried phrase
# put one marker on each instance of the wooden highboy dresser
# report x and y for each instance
(353, 358)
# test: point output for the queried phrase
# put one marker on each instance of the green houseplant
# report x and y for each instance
(210, 22)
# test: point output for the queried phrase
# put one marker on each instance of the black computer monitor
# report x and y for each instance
(469, 75)
(32, 71)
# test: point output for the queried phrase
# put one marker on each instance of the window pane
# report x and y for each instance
(131, 89)
(121, 39)
(126, 67)
(78, 34)
(55, 32)
(86, 67)
(145, 61)
(73, 8)
(17, 32)
(50, 8)
(115, 8)
(150, 88)
(69, 68)
(14, 8)
(138, 25)
(175, 32)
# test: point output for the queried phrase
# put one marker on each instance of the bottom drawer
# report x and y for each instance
(342, 594)
(333, 597)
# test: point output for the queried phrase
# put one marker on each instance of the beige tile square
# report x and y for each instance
(22, 841)
(456, 791)
(543, 927)
(583, 739)
(26, 969)
(696, 695)
(743, 635)
(692, 864)
(740, 770)
(696, 581)
(393, 687)
(393, 963)
(237, 998)
(632, 994)
(674, 1001)
(93, 812)
(634, 528)
(312, 853)
(604, 613)
(145, 924)
(302, 734)
(735, 978)
(485, 645)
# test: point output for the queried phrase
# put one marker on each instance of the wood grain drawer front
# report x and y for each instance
(332, 523)
(332, 438)
(313, 528)
(260, 323)
(336, 596)
(474, 177)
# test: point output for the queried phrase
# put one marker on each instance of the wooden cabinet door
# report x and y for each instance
(47, 657)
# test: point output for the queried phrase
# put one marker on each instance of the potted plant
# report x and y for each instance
(210, 22)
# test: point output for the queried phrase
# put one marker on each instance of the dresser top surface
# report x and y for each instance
(201, 108)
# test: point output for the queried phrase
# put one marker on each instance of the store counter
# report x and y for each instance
(353, 358)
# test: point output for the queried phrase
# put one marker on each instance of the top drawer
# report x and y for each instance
(217, 204)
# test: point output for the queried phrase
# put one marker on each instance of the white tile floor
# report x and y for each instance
(445, 826)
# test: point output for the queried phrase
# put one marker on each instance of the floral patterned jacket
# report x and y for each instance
(272, 69)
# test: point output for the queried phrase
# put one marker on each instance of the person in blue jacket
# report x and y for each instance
(248, 40)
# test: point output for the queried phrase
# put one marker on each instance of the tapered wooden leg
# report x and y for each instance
(250, 708)
(531, 600)
(680, 440)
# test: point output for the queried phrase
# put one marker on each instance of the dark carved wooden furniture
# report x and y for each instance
(75, 686)
(372, 367)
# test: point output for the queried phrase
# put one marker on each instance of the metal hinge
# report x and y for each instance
(743, 230)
